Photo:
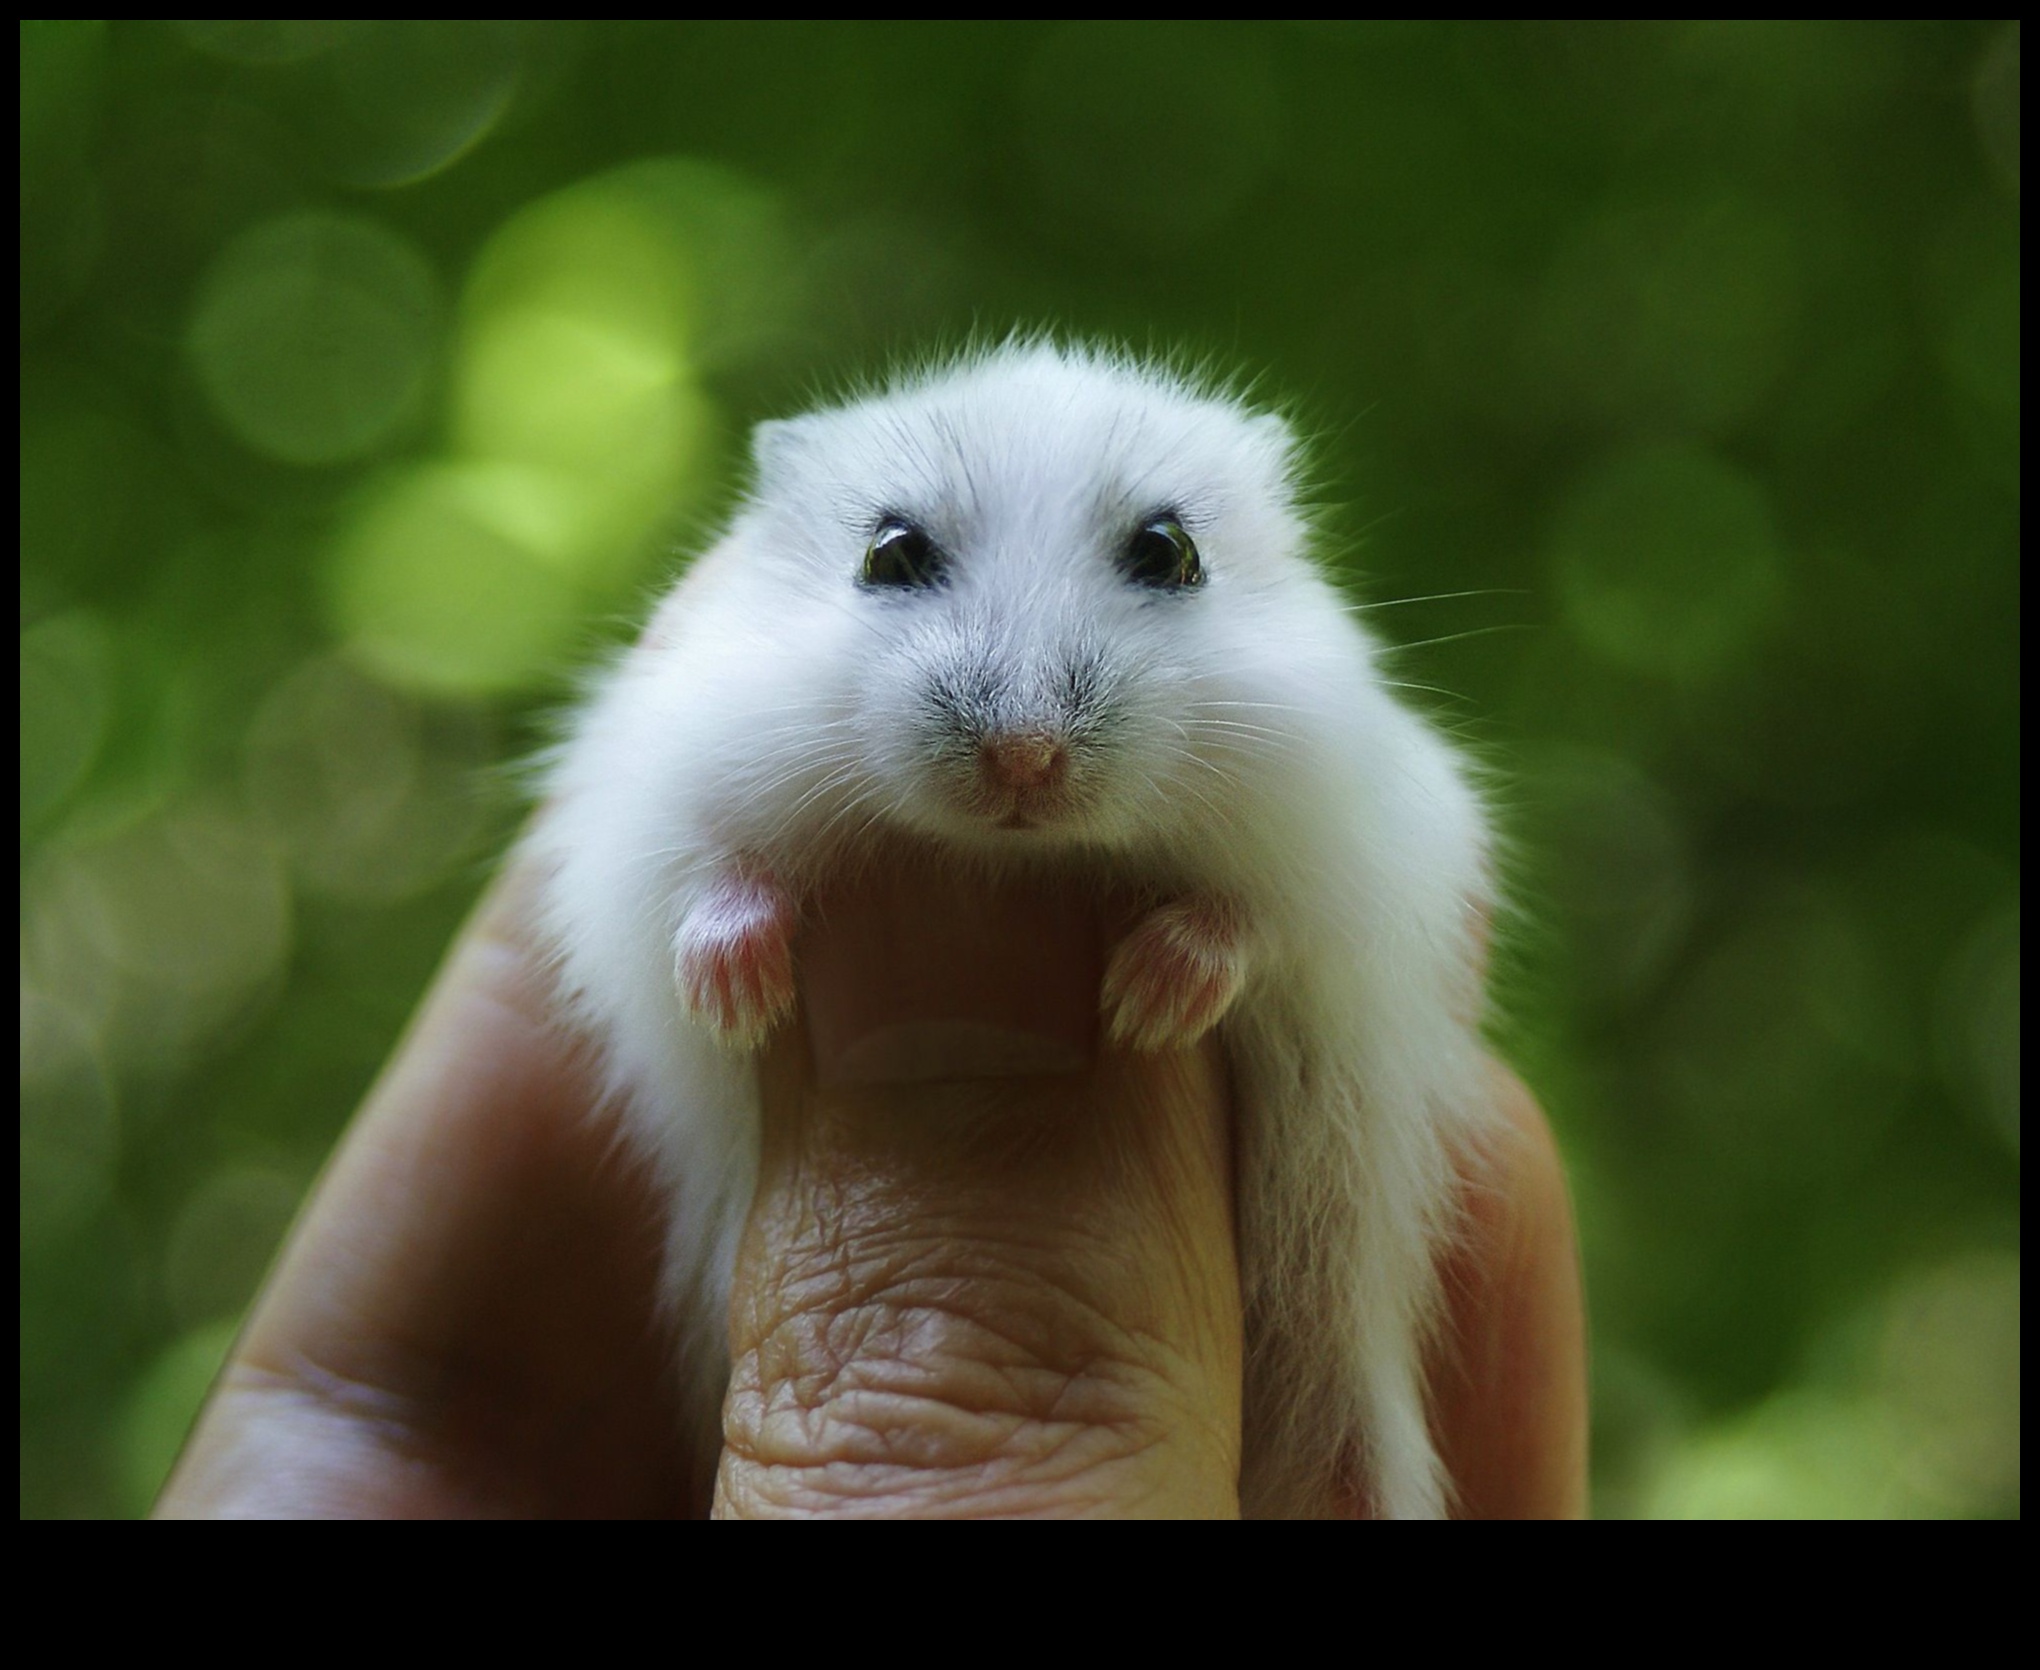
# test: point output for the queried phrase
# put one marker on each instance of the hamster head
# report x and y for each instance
(1058, 586)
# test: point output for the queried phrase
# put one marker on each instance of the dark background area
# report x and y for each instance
(1665, 377)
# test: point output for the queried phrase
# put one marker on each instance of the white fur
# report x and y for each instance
(1252, 754)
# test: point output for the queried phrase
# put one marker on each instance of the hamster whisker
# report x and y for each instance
(1455, 637)
(1441, 597)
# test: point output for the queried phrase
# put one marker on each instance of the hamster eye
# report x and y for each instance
(1163, 556)
(900, 554)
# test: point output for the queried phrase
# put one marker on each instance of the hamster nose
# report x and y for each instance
(1027, 765)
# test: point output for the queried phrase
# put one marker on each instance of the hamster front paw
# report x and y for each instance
(1172, 979)
(733, 957)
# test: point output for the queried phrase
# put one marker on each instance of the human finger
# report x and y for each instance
(459, 1321)
(1509, 1370)
(1010, 1295)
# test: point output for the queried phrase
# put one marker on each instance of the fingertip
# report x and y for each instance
(911, 976)
(1511, 1385)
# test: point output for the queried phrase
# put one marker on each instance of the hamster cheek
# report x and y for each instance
(733, 957)
(1173, 978)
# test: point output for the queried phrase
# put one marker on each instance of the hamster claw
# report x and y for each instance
(1173, 978)
(733, 958)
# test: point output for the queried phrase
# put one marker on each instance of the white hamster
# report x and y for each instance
(1051, 600)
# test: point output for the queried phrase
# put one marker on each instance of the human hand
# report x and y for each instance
(983, 1299)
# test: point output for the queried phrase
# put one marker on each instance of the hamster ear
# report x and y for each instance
(777, 446)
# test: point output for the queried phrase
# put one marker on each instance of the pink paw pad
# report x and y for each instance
(1172, 979)
(733, 957)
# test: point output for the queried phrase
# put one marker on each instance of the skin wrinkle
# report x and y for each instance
(900, 1448)
(407, 1435)
(388, 1416)
(891, 1334)
(886, 1344)
(1092, 1493)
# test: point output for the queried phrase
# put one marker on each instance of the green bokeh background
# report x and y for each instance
(372, 375)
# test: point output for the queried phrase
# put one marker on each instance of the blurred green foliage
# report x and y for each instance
(372, 372)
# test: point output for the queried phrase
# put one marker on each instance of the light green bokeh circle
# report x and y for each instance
(313, 336)
(434, 588)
